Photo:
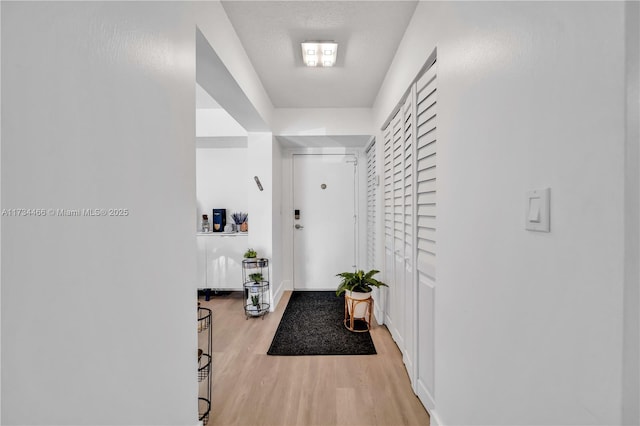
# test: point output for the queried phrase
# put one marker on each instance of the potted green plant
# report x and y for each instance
(255, 302)
(256, 278)
(358, 285)
(250, 254)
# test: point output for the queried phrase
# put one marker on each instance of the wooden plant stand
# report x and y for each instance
(350, 321)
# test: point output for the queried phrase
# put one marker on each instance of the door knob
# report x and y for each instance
(299, 226)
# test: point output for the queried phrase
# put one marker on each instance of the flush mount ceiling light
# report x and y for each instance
(319, 53)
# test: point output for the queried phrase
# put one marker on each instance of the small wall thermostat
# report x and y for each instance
(537, 211)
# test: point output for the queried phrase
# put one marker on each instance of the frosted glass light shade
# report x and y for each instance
(319, 53)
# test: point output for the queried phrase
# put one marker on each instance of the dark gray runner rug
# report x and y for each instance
(312, 325)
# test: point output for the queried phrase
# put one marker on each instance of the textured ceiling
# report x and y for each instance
(368, 33)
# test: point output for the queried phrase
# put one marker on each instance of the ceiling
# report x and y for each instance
(368, 33)
(204, 99)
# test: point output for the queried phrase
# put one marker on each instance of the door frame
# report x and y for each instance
(287, 206)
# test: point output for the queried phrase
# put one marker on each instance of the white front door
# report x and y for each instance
(324, 235)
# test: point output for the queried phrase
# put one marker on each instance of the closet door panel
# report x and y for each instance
(410, 230)
(426, 233)
(388, 224)
(397, 287)
(371, 206)
(409, 302)
(426, 336)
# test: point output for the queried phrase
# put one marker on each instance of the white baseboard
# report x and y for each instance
(379, 315)
(434, 420)
(287, 285)
(277, 295)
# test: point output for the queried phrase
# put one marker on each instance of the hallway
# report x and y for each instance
(252, 388)
(99, 114)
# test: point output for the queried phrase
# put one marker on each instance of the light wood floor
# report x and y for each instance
(252, 388)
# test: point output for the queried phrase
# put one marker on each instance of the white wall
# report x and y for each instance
(528, 325)
(0, 226)
(631, 352)
(216, 122)
(261, 203)
(222, 181)
(322, 121)
(99, 313)
(277, 222)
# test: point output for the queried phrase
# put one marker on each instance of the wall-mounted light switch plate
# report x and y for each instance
(538, 210)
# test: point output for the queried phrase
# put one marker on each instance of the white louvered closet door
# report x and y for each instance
(371, 206)
(397, 290)
(408, 302)
(388, 222)
(426, 250)
(410, 230)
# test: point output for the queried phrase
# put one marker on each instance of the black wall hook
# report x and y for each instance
(258, 183)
